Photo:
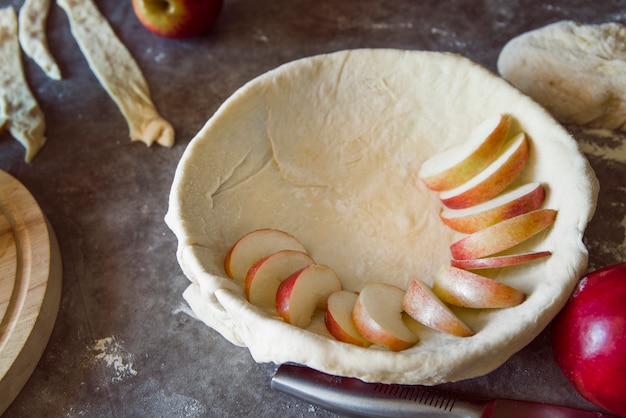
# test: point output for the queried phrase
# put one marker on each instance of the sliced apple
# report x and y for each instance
(499, 261)
(303, 292)
(457, 164)
(496, 177)
(377, 315)
(338, 318)
(268, 273)
(503, 235)
(254, 246)
(519, 200)
(421, 303)
(470, 290)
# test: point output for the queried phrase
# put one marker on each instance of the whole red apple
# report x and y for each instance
(589, 338)
(177, 18)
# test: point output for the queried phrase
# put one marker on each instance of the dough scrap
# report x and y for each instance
(19, 109)
(328, 149)
(32, 35)
(576, 71)
(117, 72)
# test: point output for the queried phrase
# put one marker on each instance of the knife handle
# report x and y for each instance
(354, 398)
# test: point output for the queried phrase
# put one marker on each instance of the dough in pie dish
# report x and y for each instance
(328, 148)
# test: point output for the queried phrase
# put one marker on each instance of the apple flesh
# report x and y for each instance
(503, 235)
(457, 164)
(499, 261)
(177, 18)
(492, 180)
(268, 273)
(377, 315)
(507, 205)
(470, 290)
(254, 246)
(303, 292)
(589, 338)
(338, 318)
(421, 303)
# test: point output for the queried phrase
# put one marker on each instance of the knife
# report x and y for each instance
(355, 398)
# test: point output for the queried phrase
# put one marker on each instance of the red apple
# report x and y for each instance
(177, 18)
(589, 338)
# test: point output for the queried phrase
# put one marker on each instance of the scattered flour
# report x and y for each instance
(184, 308)
(612, 148)
(110, 351)
(615, 153)
(386, 26)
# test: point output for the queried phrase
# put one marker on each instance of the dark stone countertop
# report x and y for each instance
(124, 343)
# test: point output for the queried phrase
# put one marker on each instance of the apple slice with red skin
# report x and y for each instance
(177, 18)
(421, 303)
(268, 273)
(503, 235)
(303, 292)
(254, 246)
(377, 315)
(490, 182)
(499, 261)
(470, 290)
(338, 318)
(522, 199)
(457, 164)
(589, 338)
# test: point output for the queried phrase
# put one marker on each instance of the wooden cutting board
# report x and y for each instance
(30, 286)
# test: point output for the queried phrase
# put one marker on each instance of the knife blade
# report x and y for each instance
(355, 398)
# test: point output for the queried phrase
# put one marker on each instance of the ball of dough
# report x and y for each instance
(576, 71)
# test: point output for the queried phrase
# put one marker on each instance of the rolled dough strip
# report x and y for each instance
(32, 35)
(117, 72)
(19, 110)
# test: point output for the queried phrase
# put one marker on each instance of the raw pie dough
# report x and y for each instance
(19, 110)
(117, 72)
(328, 148)
(577, 71)
(32, 36)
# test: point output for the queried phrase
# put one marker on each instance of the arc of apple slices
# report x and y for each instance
(423, 305)
(492, 180)
(470, 290)
(522, 199)
(338, 318)
(19, 110)
(267, 274)
(377, 315)
(458, 163)
(503, 235)
(499, 261)
(117, 72)
(303, 292)
(32, 36)
(255, 245)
